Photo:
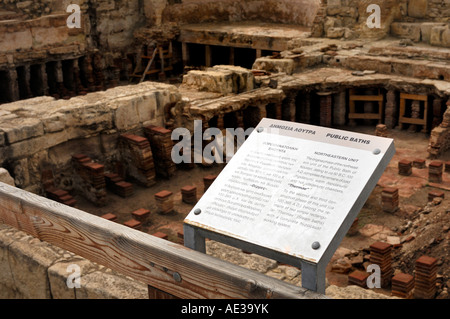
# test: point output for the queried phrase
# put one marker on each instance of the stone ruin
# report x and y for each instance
(85, 112)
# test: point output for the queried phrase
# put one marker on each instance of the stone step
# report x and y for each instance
(404, 67)
(434, 33)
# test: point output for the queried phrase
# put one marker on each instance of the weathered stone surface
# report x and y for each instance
(417, 8)
(21, 129)
(354, 292)
(101, 285)
(29, 260)
(220, 79)
(274, 65)
(5, 177)
(58, 275)
(406, 30)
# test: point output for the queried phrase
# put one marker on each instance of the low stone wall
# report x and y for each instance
(43, 133)
(31, 269)
(300, 12)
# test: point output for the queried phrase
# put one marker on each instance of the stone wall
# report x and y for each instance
(31, 269)
(299, 12)
(348, 18)
(44, 133)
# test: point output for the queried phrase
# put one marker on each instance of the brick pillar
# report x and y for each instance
(390, 110)
(44, 79)
(325, 108)
(426, 275)
(13, 85)
(381, 255)
(339, 108)
(305, 108)
(390, 199)
(437, 113)
(27, 79)
(435, 170)
(279, 111)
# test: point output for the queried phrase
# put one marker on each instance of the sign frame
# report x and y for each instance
(313, 271)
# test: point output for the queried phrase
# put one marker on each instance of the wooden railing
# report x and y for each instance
(170, 270)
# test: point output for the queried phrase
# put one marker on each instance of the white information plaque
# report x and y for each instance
(292, 187)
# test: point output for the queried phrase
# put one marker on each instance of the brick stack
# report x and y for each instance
(164, 200)
(138, 158)
(89, 179)
(381, 255)
(162, 145)
(405, 167)
(390, 199)
(94, 173)
(419, 163)
(381, 130)
(358, 278)
(432, 195)
(60, 196)
(208, 180)
(189, 194)
(142, 215)
(435, 169)
(47, 179)
(117, 185)
(426, 277)
(110, 217)
(326, 107)
(402, 286)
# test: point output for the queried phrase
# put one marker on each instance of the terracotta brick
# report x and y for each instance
(141, 215)
(132, 223)
(163, 194)
(161, 235)
(426, 261)
(110, 217)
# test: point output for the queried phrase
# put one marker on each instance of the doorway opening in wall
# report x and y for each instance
(4, 90)
(67, 68)
(24, 91)
(37, 84)
(244, 57)
(197, 55)
(51, 77)
(221, 55)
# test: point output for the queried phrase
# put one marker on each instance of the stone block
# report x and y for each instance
(221, 79)
(436, 35)
(5, 177)
(147, 108)
(126, 115)
(406, 30)
(59, 273)
(22, 129)
(101, 285)
(417, 8)
(335, 33)
(425, 30)
(29, 260)
(274, 65)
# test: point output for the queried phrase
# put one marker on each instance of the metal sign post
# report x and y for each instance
(291, 193)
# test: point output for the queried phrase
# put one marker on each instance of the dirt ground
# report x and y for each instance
(427, 223)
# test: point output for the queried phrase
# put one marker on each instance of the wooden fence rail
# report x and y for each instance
(166, 267)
